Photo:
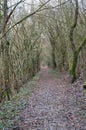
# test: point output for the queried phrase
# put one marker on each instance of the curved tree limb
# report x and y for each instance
(11, 12)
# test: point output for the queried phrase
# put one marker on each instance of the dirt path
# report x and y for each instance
(53, 106)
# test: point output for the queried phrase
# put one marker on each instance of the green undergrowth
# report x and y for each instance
(84, 91)
(53, 71)
(10, 110)
(85, 87)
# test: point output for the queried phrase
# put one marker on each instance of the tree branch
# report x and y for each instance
(53, 7)
(29, 15)
(83, 43)
(16, 4)
(13, 10)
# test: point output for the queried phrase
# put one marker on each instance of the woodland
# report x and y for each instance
(36, 35)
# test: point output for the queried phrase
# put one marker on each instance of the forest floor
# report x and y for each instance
(55, 104)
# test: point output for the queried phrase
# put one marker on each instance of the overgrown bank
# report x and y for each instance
(10, 110)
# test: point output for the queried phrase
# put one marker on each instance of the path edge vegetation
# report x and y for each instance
(10, 110)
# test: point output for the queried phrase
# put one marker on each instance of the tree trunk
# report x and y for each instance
(5, 53)
(6, 69)
(73, 68)
(75, 55)
(53, 59)
(75, 59)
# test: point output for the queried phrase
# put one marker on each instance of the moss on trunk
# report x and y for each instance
(75, 60)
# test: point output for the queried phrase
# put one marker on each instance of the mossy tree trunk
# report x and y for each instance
(75, 59)
(71, 37)
(73, 67)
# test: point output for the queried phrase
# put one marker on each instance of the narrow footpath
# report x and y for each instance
(54, 105)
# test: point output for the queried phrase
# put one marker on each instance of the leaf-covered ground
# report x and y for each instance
(55, 104)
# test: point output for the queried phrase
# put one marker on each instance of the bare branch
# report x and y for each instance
(13, 10)
(57, 5)
(16, 4)
(29, 15)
